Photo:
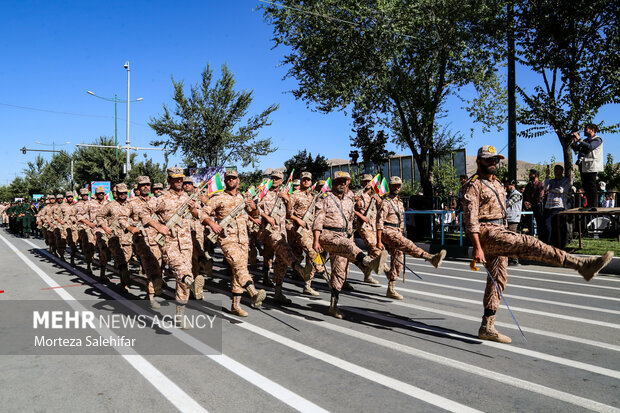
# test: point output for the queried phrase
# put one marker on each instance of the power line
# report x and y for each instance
(65, 113)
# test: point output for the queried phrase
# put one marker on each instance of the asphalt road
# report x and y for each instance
(416, 355)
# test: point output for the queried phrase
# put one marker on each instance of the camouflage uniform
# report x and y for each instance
(177, 250)
(60, 228)
(81, 214)
(484, 214)
(96, 236)
(147, 250)
(276, 240)
(119, 243)
(333, 228)
(68, 216)
(301, 201)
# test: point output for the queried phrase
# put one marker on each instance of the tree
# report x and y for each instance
(574, 48)
(611, 174)
(397, 61)
(303, 162)
(146, 168)
(207, 127)
(99, 164)
(446, 179)
(370, 144)
(32, 177)
(247, 179)
(56, 175)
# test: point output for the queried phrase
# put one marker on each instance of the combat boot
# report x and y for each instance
(180, 320)
(435, 259)
(102, 275)
(236, 307)
(588, 267)
(333, 308)
(198, 287)
(125, 277)
(391, 292)
(346, 285)
(368, 279)
(266, 281)
(487, 331)
(89, 268)
(154, 304)
(376, 264)
(280, 298)
(73, 261)
(308, 289)
(253, 256)
(257, 296)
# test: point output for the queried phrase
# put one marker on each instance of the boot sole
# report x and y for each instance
(442, 255)
(606, 259)
(260, 297)
(382, 261)
(198, 287)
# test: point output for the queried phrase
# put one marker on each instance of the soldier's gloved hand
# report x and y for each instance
(478, 255)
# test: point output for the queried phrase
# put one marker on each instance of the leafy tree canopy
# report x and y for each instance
(211, 125)
(304, 162)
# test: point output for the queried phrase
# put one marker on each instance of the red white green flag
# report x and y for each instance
(383, 188)
(263, 188)
(215, 184)
(252, 191)
(313, 186)
(374, 183)
(289, 183)
(328, 185)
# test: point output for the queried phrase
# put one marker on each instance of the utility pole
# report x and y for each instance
(512, 102)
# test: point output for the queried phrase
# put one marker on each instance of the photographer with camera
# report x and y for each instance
(589, 160)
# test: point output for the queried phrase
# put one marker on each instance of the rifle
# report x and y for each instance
(268, 227)
(373, 201)
(227, 222)
(176, 220)
(306, 218)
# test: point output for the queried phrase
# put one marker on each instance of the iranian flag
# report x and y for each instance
(252, 191)
(376, 181)
(313, 186)
(215, 185)
(383, 188)
(328, 185)
(289, 183)
(264, 188)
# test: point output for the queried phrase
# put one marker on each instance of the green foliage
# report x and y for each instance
(100, 164)
(410, 188)
(304, 162)
(211, 126)
(575, 49)
(371, 145)
(146, 168)
(395, 61)
(610, 174)
(247, 179)
(446, 178)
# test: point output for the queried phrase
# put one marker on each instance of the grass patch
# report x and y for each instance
(593, 246)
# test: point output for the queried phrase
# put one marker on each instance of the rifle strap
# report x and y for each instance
(346, 221)
(396, 212)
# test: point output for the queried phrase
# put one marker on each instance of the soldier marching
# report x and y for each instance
(174, 231)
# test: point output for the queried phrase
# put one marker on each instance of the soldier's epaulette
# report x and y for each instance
(473, 178)
(324, 195)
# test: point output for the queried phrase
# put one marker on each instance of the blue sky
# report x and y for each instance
(54, 51)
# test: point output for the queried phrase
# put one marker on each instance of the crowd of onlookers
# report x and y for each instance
(541, 200)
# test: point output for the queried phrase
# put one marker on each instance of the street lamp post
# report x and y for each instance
(127, 165)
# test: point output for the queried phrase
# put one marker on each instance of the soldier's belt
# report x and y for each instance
(335, 229)
(500, 221)
(389, 224)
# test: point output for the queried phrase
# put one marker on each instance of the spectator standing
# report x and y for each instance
(589, 160)
(557, 190)
(513, 211)
(533, 201)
